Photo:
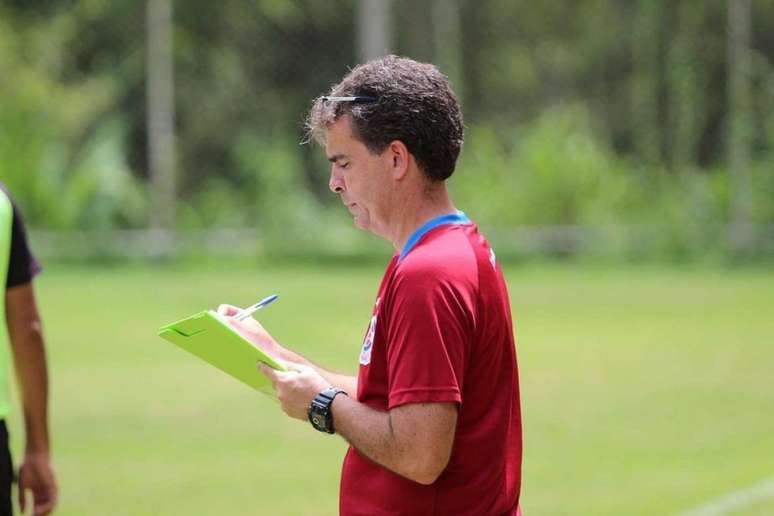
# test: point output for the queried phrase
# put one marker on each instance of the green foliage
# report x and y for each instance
(598, 115)
(559, 172)
(681, 217)
(763, 190)
(553, 172)
(61, 155)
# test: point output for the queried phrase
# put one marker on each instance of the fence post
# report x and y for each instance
(160, 119)
(447, 38)
(739, 130)
(374, 29)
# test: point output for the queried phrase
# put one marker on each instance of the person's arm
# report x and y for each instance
(254, 331)
(346, 383)
(26, 337)
(412, 440)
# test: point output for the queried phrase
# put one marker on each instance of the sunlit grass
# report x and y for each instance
(645, 391)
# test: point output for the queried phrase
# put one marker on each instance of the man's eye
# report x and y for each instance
(344, 165)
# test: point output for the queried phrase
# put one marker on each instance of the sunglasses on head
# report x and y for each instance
(358, 99)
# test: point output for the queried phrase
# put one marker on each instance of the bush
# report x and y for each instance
(552, 173)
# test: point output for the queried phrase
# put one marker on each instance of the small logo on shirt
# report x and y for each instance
(492, 258)
(368, 343)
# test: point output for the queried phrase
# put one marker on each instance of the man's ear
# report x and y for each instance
(398, 158)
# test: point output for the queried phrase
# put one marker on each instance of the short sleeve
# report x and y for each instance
(22, 265)
(429, 333)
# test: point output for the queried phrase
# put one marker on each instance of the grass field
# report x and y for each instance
(644, 390)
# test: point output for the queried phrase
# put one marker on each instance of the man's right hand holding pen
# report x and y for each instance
(240, 319)
(257, 334)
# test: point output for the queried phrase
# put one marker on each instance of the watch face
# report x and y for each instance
(318, 417)
(320, 411)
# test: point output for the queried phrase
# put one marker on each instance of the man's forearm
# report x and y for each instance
(32, 375)
(370, 432)
(413, 441)
(26, 337)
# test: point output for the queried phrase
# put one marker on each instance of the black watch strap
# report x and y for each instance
(319, 413)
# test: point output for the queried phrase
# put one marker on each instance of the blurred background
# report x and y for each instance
(622, 128)
(619, 154)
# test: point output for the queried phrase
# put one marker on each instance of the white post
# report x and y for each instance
(739, 141)
(373, 26)
(160, 115)
(447, 39)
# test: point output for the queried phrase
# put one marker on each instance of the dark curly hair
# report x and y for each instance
(397, 99)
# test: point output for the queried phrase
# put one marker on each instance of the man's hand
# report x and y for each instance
(295, 388)
(255, 332)
(37, 475)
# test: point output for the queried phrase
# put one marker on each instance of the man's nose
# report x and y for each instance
(336, 182)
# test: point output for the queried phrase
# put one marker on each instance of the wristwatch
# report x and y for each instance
(320, 414)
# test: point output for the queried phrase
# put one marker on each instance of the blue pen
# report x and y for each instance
(247, 312)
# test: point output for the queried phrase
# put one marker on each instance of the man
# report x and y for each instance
(18, 267)
(433, 417)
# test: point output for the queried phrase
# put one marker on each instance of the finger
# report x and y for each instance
(228, 310)
(277, 378)
(22, 486)
(296, 368)
(45, 508)
(45, 504)
(45, 493)
(270, 373)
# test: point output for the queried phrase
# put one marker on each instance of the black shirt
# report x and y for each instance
(22, 266)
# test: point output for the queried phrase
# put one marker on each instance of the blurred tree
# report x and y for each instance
(653, 79)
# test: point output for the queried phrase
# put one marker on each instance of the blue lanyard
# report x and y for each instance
(452, 218)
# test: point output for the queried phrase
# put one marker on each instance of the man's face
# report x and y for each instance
(361, 178)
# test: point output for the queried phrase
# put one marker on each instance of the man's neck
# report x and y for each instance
(419, 210)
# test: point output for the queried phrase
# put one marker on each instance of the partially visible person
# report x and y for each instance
(18, 267)
(433, 417)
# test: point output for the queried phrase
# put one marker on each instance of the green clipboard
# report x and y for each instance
(208, 336)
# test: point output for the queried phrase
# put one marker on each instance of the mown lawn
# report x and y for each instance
(644, 390)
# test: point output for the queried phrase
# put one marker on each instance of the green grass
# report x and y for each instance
(644, 390)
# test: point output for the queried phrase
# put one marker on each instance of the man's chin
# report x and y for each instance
(360, 223)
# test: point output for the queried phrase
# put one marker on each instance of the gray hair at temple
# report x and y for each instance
(396, 98)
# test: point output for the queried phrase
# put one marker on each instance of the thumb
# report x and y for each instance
(267, 371)
(274, 375)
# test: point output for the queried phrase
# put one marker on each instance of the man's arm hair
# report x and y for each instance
(413, 440)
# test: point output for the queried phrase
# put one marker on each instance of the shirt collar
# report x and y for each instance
(451, 218)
